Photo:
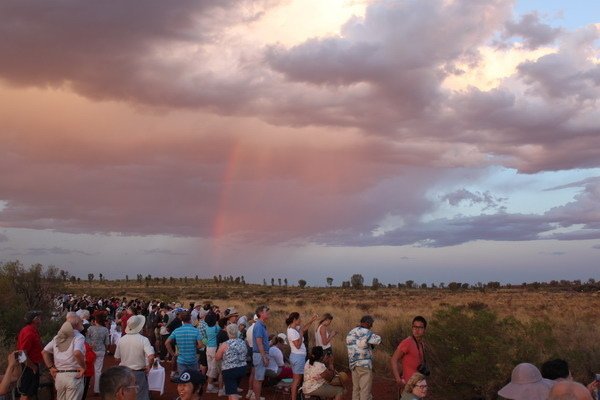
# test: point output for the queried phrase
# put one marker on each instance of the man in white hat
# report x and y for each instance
(136, 352)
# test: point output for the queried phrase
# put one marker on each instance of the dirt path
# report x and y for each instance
(383, 389)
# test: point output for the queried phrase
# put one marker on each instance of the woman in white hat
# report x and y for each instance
(526, 383)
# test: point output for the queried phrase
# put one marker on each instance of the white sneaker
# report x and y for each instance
(250, 394)
(222, 392)
(212, 389)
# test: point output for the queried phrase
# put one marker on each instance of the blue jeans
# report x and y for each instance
(181, 368)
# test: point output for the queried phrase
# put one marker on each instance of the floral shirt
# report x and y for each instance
(358, 342)
(235, 355)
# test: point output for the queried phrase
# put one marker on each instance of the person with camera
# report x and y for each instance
(30, 343)
(411, 354)
(360, 343)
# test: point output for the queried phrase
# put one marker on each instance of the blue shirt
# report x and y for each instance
(186, 338)
(260, 331)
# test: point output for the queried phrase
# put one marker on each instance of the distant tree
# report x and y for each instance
(423, 285)
(375, 284)
(64, 275)
(329, 281)
(101, 277)
(302, 283)
(285, 282)
(220, 278)
(126, 278)
(216, 279)
(264, 282)
(409, 283)
(90, 277)
(164, 280)
(279, 281)
(357, 281)
(345, 284)
(493, 285)
(272, 281)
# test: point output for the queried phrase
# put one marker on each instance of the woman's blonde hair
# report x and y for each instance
(412, 382)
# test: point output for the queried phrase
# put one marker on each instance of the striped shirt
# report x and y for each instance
(186, 338)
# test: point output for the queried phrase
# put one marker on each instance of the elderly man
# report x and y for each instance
(136, 352)
(65, 358)
(30, 342)
(568, 390)
(118, 383)
(360, 342)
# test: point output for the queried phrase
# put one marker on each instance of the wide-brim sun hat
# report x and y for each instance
(135, 324)
(526, 383)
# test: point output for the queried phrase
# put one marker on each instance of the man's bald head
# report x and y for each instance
(566, 390)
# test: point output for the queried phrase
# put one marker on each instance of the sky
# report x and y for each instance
(430, 140)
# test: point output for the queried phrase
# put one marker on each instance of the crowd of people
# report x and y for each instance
(213, 351)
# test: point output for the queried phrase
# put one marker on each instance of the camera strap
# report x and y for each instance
(421, 350)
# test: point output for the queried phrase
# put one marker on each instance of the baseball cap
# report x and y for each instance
(191, 376)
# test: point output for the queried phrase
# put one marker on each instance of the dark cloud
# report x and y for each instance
(463, 195)
(163, 252)
(59, 251)
(532, 30)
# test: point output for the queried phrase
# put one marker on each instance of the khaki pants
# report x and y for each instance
(362, 379)
(68, 387)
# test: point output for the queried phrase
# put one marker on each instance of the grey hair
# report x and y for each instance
(114, 379)
(232, 331)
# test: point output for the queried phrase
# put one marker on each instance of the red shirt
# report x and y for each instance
(29, 340)
(412, 357)
(90, 357)
(124, 319)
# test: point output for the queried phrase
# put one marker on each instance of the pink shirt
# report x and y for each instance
(412, 357)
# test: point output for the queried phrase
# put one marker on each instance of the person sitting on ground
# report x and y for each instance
(189, 385)
(556, 370)
(11, 375)
(415, 388)
(233, 356)
(118, 383)
(318, 374)
(277, 369)
(568, 390)
(526, 383)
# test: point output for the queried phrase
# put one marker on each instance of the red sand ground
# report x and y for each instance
(383, 388)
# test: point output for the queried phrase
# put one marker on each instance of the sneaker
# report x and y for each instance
(212, 389)
(222, 392)
(250, 394)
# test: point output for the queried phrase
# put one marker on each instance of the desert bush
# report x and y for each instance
(473, 351)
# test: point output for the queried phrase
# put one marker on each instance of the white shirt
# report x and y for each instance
(249, 334)
(133, 349)
(319, 340)
(293, 334)
(66, 359)
(275, 358)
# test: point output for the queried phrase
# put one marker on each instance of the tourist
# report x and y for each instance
(189, 385)
(556, 370)
(211, 330)
(360, 342)
(118, 383)
(65, 358)
(277, 368)
(188, 340)
(136, 352)
(415, 388)
(526, 383)
(260, 350)
(233, 355)
(99, 338)
(90, 358)
(323, 336)
(319, 373)
(569, 390)
(295, 334)
(11, 375)
(411, 353)
(30, 342)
